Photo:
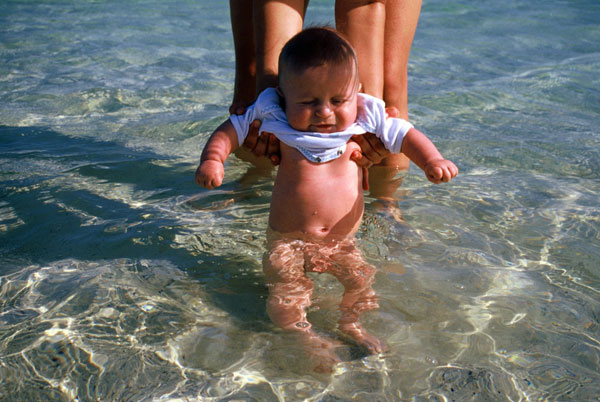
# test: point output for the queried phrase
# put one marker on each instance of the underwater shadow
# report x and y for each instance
(55, 205)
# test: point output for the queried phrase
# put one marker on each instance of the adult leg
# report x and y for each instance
(362, 22)
(242, 27)
(275, 22)
(401, 18)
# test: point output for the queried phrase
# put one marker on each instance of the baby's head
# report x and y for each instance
(318, 81)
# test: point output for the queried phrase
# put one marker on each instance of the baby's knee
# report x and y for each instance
(359, 277)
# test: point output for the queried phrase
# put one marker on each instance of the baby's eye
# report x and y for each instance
(338, 101)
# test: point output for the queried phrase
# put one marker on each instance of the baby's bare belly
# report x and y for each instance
(316, 201)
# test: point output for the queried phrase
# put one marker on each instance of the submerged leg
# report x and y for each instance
(290, 291)
(357, 277)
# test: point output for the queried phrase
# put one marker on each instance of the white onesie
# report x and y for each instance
(321, 147)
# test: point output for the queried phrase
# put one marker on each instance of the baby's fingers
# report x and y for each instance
(208, 184)
(446, 175)
(453, 170)
(204, 181)
(441, 171)
(449, 171)
(435, 175)
(211, 183)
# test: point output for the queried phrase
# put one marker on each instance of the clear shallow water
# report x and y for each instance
(120, 279)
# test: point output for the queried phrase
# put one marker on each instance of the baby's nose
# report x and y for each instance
(324, 110)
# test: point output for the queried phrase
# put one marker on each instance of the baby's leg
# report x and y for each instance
(357, 277)
(290, 291)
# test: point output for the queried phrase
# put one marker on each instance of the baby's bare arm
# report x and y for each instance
(425, 155)
(221, 143)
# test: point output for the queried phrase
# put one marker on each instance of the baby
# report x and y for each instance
(317, 202)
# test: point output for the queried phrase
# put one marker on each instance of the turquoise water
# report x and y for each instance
(120, 279)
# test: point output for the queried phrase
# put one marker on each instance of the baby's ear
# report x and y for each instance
(281, 98)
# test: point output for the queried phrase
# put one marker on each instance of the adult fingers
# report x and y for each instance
(392, 111)
(261, 146)
(372, 148)
(273, 150)
(365, 179)
(360, 159)
(252, 137)
(377, 145)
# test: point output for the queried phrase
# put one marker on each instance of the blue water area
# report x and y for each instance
(120, 279)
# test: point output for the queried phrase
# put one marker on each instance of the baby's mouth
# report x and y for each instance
(324, 127)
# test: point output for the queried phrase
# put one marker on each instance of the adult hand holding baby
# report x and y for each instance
(262, 145)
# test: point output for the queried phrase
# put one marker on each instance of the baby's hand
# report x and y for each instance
(440, 170)
(210, 174)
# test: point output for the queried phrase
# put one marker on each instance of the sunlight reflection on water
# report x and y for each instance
(121, 279)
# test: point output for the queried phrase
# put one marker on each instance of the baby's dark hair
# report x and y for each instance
(314, 47)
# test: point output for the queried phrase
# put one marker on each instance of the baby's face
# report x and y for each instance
(321, 99)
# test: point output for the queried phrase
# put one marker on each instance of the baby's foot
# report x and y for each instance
(363, 338)
(321, 351)
(394, 267)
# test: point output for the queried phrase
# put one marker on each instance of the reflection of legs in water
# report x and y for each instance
(384, 182)
(356, 275)
(290, 292)
(260, 167)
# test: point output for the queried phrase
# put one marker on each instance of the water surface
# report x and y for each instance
(122, 280)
